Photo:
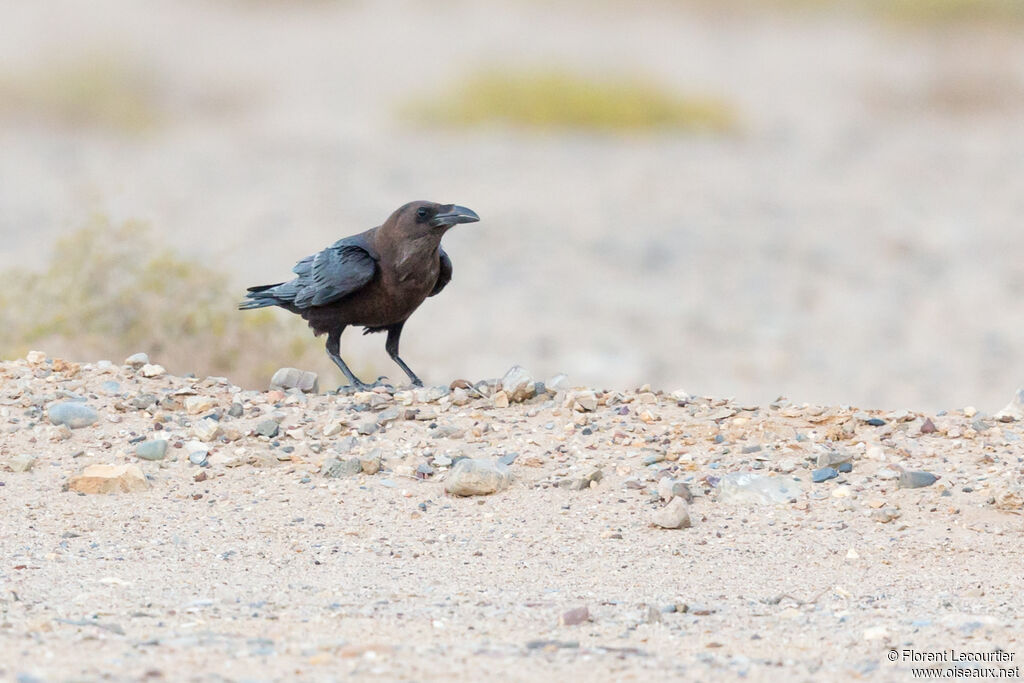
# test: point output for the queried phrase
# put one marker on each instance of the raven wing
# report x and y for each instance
(329, 275)
(443, 277)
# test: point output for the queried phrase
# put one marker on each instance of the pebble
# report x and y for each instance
(206, 429)
(110, 387)
(97, 479)
(390, 415)
(833, 458)
(824, 474)
(153, 371)
(585, 402)
(335, 469)
(845, 468)
(928, 427)
(518, 384)
(559, 382)
(583, 482)
(22, 462)
(372, 462)
(675, 515)
(500, 400)
(366, 428)
(476, 477)
(199, 457)
(1014, 410)
(574, 617)
(236, 410)
(152, 450)
(268, 428)
(73, 414)
(884, 515)
(916, 479)
(137, 360)
(198, 404)
(292, 378)
(669, 488)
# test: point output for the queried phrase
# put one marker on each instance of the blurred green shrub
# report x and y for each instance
(555, 99)
(95, 90)
(111, 290)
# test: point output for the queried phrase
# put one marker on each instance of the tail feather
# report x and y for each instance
(260, 297)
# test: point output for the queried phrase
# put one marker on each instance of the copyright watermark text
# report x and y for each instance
(957, 663)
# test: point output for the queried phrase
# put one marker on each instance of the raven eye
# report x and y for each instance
(422, 213)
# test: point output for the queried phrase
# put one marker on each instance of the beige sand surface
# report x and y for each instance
(259, 567)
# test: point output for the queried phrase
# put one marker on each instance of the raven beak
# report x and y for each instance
(454, 215)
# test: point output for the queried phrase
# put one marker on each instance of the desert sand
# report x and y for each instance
(278, 535)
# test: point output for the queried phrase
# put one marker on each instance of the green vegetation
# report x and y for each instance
(95, 90)
(112, 290)
(562, 100)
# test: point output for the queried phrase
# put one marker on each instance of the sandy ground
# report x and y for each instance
(257, 566)
(858, 241)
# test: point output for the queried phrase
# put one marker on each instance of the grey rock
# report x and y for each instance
(22, 462)
(152, 450)
(916, 479)
(834, 458)
(390, 415)
(583, 482)
(335, 469)
(268, 428)
(137, 360)
(236, 410)
(824, 474)
(476, 477)
(518, 384)
(110, 387)
(292, 378)
(206, 429)
(143, 402)
(885, 515)
(199, 457)
(74, 414)
(559, 382)
(675, 515)
(669, 488)
(366, 428)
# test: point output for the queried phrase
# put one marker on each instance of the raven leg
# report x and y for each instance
(334, 351)
(394, 333)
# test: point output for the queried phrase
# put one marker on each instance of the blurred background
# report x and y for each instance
(745, 198)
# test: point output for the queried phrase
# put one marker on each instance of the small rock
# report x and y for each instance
(518, 384)
(884, 515)
(74, 414)
(845, 468)
(500, 399)
(292, 378)
(390, 415)
(198, 404)
(335, 427)
(35, 357)
(559, 382)
(137, 360)
(574, 617)
(268, 428)
(916, 479)
(236, 410)
(153, 370)
(824, 474)
(476, 477)
(152, 450)
(366, 428)
(109, 479)
(372, 462)
(675, 515)
(110, 387)
(22, 462)
(335, 469)
(585, 402)
(1014, 410)
(669, 488)
(651, 614)
(199, 457)
(206, 429)
(928, 427)
(583, 482)
(833, 458)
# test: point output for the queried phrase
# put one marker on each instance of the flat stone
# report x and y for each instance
(366, 428)
(824, 474)
(834, 458)
(500, 400)
(585, 401)
(476, 477)
(389, 415)
(137, 360)
(885, 515)
(198, 404)
(74, 414)
(152, 450)
(574, 617)
(22, 462)
(336, 469)
(916, 479)
(293, 378)
(109, 479)
(675, 515)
